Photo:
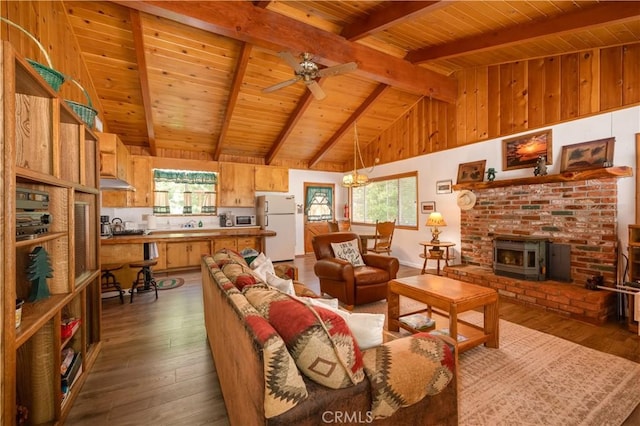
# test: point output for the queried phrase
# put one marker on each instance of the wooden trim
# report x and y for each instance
(637, 177)
(603, 173)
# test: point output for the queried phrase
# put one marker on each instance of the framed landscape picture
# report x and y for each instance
(427, 207)
(523, 151)
(587, 155)
(444, 187)
(471, 172)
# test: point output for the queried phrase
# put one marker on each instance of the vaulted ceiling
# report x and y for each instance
(189, 76)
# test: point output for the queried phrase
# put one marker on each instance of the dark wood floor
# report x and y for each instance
(155, 367)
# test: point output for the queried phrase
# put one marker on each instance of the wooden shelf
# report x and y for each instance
(603, 173)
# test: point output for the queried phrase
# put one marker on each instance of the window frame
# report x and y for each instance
(398, 176)
(179, 172)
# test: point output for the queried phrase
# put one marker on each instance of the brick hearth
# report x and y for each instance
(571, 300)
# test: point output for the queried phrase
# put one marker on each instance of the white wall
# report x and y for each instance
(623, 125)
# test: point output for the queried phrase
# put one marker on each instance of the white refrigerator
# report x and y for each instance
(278, 213)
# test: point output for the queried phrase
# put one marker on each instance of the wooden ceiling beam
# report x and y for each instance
(394, 13)
(362, 109)
(270, 30)
(138, 42)
(600, 14)
(236, 85)
(295, 116)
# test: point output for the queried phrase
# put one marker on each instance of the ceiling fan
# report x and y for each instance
(308, 71)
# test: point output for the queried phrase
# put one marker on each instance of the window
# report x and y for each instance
(319, 202)
(387, 198)
(184, 192)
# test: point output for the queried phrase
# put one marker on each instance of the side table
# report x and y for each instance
(427, 256)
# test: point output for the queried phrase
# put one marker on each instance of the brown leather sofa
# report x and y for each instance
(352, 285)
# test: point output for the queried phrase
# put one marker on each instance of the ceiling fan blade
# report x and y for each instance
(281, 85)
(316, 90)
(291, 60)
(338, 69)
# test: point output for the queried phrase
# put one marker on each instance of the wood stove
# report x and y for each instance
(522, 257)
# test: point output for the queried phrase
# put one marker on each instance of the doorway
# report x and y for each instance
(319, 207)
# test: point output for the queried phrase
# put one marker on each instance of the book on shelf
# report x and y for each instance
(445, 332)
(72, 373)
(68, 327)
(418, 322)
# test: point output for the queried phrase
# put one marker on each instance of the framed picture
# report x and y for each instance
(427, 207)
(587, 155)
(471, 172)
(523, 151)
(444, 187)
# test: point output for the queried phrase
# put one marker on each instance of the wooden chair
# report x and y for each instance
(333, 226)
(383, 238)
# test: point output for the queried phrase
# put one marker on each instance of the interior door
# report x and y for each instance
(319, 202)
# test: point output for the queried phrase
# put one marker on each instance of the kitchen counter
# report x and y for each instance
(187, 235)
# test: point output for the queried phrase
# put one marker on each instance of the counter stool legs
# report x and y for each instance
(109, 281)
(144, 277)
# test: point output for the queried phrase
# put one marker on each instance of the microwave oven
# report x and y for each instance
(244, 220)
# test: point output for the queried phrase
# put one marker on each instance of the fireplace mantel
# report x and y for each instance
(602, 173)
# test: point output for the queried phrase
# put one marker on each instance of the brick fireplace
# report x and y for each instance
(579, 214)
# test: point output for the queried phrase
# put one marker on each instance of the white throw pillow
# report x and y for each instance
(259, 260)
(367, 328)
(285, 286)
(348, 251)
(263, 269)
(320, 301)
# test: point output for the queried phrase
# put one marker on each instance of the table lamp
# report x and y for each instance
(435, 219)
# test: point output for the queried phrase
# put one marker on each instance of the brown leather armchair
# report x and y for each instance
(352, 285)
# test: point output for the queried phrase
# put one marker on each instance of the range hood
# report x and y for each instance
(115, 185)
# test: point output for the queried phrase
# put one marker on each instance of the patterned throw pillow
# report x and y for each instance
(319, 340)
(404, 371)
(239, 275)
(224, 256)
(348, 251)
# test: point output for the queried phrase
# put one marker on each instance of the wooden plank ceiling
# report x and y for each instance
(188, 76)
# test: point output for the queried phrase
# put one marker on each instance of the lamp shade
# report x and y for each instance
(436, 219)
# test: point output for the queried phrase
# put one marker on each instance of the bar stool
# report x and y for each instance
(109, 281)
(144, 277)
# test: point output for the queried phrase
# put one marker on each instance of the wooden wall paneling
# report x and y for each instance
(423, 107)
(552, 72)
(461, 108)
(569, 86)
(469, 108)
(611, 78)
(536, 89)
(447, 121)
(482, 83)
(631, 74)
(589, 62)
(493, 95)
(519, 96)
(506, 99)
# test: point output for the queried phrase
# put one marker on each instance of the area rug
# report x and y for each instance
(169, 283)
(538, 379)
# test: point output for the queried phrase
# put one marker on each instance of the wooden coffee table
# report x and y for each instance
(445, 299)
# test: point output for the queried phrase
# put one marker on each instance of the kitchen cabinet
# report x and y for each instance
(248, 242)
(114, 157)
(186, 254)
(236, 185)
(271, 178)
(53, 154)
(237, 243)
(141, 180)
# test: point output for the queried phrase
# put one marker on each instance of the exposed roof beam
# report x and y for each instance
(236, 84)
(138, 42)
(603, 13)
(362, 109)
(243, 21)
(394, 13)
(295, 116)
